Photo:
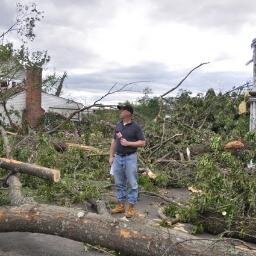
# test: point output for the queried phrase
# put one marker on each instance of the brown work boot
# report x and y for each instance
(119, 208)
(131, 211)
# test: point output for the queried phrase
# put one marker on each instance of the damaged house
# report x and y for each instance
(24, 98)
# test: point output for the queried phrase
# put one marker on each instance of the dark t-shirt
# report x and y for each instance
(131, 132)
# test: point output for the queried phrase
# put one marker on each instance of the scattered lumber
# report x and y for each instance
(32, 169)
(147, 172)
(234, 145)
(194, 190)
(12, 133)
(82, 147)
(63, 146)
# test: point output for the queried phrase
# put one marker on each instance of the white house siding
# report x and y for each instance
(15, 105)
(65, 107)
(50, 103)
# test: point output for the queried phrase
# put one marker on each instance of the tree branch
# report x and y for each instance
(179, 84)
(112, 90)
(13, 125)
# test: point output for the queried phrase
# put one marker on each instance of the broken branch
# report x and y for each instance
(179, 84)
(32, 169)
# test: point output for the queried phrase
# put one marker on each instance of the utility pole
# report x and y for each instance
(253, 91)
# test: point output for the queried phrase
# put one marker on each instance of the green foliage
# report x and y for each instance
(148, 107)
(162, 180)
(13, 61)
(4, 199)
(171, 210)
(83, 176)
(6, 52)
(27, 17)
(146, 183)
(216, 143)
(9, 62)
(46, 154)
(228, 191)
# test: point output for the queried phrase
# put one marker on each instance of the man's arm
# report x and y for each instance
(136, 144)
(140, 142)
(112, 151)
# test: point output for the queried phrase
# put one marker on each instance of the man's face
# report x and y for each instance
(125, 114)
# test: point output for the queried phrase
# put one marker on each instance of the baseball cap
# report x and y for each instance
(126, 107)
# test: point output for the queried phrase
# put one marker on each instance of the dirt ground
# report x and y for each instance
(29, 244)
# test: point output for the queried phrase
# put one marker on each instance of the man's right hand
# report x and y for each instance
(111, 160)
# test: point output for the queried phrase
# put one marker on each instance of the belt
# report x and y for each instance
(125, 154)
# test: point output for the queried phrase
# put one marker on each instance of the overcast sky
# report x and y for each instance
(101, 42)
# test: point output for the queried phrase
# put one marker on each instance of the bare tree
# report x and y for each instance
(113, 89)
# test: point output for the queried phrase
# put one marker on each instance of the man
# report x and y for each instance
(123, 158)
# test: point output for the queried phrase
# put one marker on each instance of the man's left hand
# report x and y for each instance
(124, 142)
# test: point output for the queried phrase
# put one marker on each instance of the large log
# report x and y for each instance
(129, 238)
(32, 169)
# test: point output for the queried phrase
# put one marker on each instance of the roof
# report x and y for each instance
(12, 92)
(68, 100)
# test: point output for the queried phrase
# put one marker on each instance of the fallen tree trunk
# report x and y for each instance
(32, 169)
(15, 194)
(128, 238)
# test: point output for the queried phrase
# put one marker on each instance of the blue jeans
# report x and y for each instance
(126, 176)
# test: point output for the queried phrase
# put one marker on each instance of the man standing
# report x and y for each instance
(123, 158)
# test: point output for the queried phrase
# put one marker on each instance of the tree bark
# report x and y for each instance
(32, 169)
(13, 125)
(7, 147)
(15, 194)
(128, 238)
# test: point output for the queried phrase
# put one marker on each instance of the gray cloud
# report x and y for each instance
(219, 14)
(160, 79)
(7, 15)
(66, 27)
(67, 23)
(79, 15)
(65, 53)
